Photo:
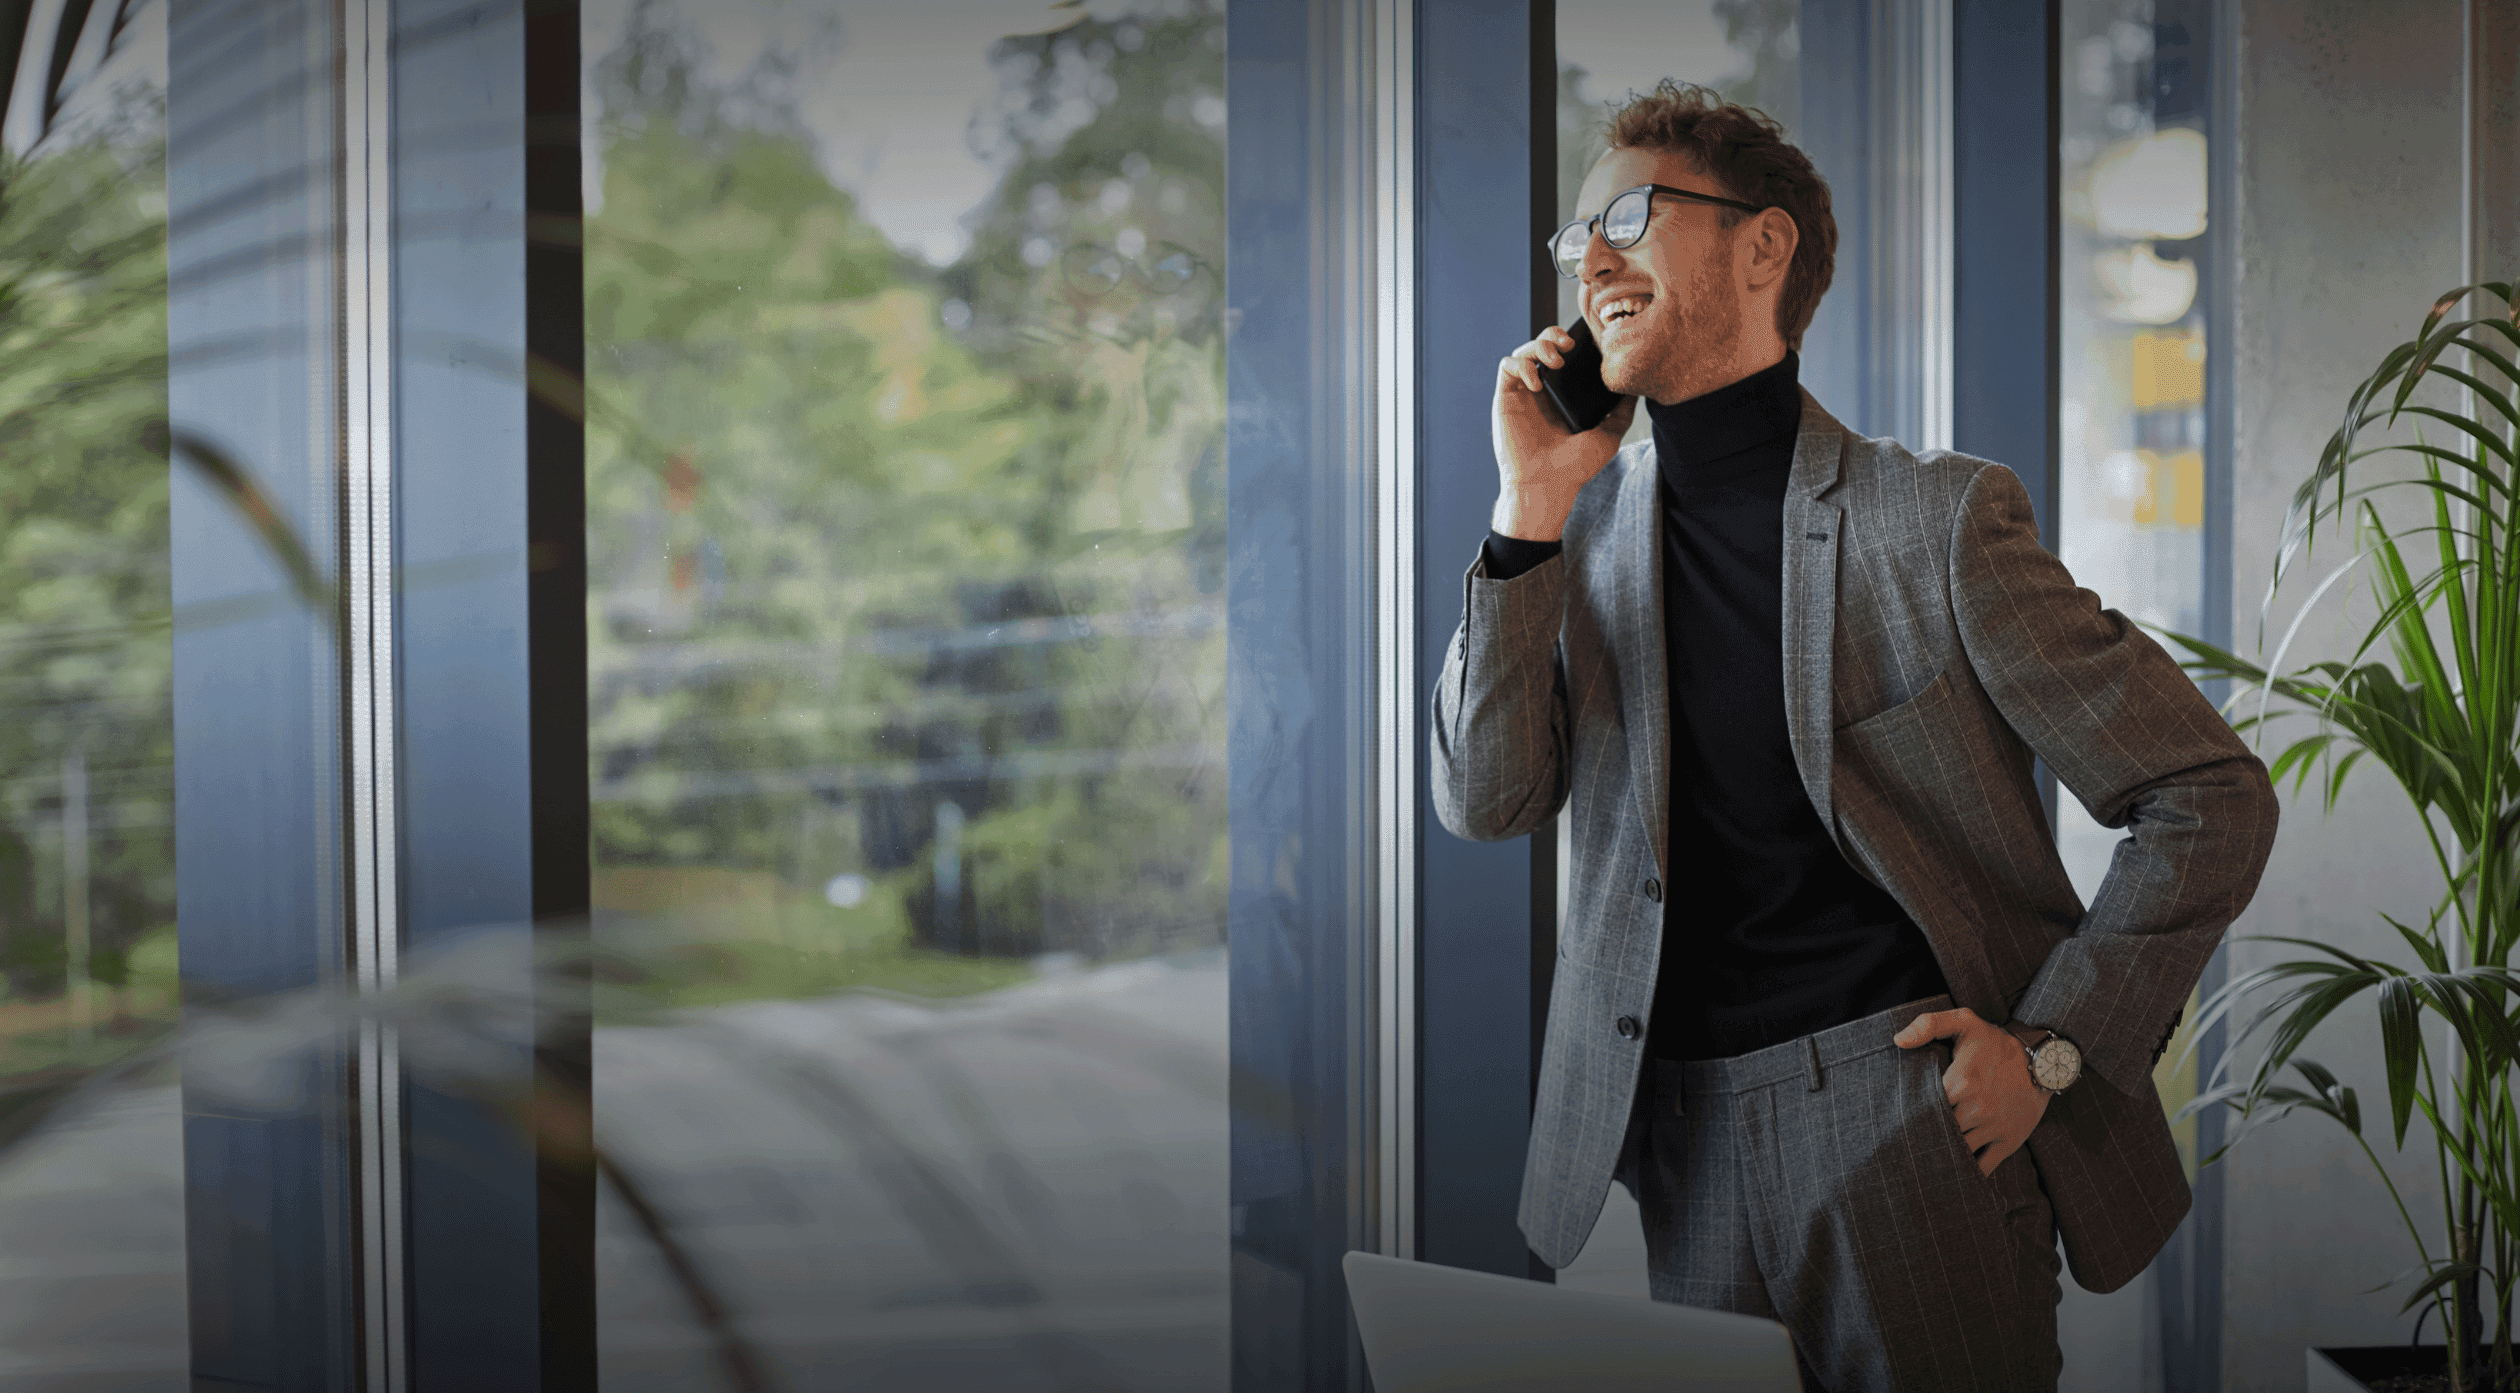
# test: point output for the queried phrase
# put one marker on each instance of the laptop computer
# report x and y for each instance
(1434, 1329)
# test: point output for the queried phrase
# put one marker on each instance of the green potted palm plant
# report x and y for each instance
(2431, 693)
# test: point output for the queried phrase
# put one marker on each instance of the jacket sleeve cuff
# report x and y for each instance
(2101, 1005)
(1509, 618)
(1507, 557)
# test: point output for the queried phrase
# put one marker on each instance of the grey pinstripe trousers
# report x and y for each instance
(1824, 1183)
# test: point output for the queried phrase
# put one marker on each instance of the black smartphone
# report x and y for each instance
(1581, 397)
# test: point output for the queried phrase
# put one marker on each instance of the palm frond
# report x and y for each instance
(2428, 688)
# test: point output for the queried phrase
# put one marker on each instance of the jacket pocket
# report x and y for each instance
(1915, 765)
(1936, 693)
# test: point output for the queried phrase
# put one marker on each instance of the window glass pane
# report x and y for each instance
(906, 539)
(2131, 321)
(91, 1172)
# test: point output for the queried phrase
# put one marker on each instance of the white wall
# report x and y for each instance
(2351, 211)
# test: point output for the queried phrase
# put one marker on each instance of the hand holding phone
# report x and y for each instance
(1542, 389)
(1582, 399)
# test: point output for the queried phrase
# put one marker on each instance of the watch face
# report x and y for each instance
(2056, 1063)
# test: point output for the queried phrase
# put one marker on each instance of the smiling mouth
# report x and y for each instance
(1622, 309)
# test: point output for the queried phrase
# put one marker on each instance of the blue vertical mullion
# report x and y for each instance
(1295, 706)
(2005, 364)
(491, 804)
(2004, 311)
(491, 663)
(1476, 261)
(460, 656)
(256, 692)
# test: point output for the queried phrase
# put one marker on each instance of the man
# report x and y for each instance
(1826, 1001)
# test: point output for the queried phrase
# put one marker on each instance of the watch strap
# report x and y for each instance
(2031, 1053)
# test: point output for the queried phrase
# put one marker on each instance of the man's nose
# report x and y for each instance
(1600, 258)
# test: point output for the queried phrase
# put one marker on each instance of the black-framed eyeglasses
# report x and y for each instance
(1622, 223)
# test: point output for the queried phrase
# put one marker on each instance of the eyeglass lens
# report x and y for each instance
(1568, 249)
(1624, 220)
(1622, 223)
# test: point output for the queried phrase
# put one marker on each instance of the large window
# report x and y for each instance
(691, 605)
(91, 1205)
(906, 537)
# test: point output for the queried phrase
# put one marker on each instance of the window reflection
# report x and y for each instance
(906, 538)
(91, 1218)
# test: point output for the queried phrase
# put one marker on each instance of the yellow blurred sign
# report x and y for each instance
(2169, 370)
(2176, 480)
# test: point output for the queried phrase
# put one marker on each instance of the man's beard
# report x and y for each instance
(1696, 347)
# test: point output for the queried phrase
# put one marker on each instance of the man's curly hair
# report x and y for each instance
(1746, 154)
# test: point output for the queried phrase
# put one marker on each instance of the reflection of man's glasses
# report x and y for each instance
(1622, 224)
(1091, 270)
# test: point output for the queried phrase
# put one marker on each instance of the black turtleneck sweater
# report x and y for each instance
(1768, 933)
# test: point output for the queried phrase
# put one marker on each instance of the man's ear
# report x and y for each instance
(1772, 238)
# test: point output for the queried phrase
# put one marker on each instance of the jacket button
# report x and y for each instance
(1653, 891)
(1628, 1028)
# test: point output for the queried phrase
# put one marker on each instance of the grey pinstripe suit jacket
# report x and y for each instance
(1932, 647)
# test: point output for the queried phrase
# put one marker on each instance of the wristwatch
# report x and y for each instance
(2055, 1063)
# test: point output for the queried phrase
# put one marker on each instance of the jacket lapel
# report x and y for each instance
(1636, 608)
(1812, 538)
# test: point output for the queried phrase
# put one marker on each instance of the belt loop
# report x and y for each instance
(1811, 1044)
